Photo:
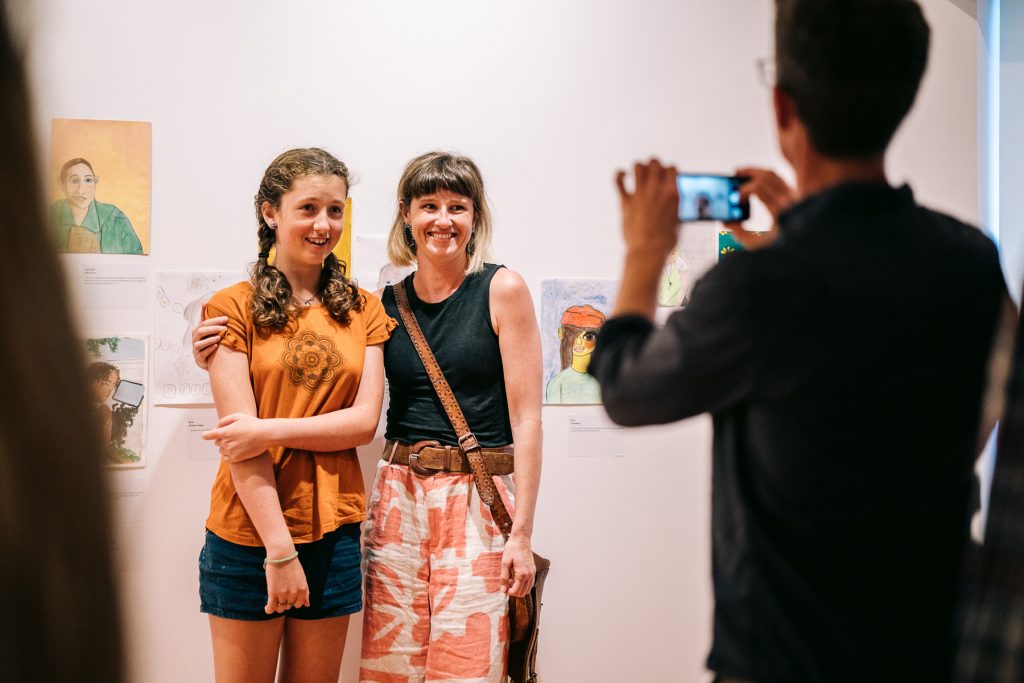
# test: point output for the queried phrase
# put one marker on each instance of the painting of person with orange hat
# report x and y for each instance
(578, 336)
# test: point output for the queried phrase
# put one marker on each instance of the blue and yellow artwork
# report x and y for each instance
(572, 313)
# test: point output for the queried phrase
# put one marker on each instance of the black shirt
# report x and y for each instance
(843, 366)
(460, 334)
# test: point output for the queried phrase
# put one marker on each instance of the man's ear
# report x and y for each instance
(785, 110)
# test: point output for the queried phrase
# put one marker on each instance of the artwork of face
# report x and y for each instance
(80, 186)
(583, 345)
(574, 311)
(103, 387)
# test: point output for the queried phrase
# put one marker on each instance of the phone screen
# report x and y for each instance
(711, 198)
(129, 392)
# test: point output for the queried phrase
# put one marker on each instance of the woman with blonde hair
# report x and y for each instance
(439, 571)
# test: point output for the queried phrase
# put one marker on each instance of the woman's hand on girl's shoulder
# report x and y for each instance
(206, 339)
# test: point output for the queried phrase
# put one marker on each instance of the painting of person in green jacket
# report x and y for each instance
(577, 334)
(83, 225)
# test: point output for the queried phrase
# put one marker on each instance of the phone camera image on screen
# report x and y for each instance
(711, 198)
(129, 393)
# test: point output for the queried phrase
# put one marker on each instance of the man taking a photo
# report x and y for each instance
(843, 365)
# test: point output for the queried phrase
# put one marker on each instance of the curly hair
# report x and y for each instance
(99, 371)
(272, 302)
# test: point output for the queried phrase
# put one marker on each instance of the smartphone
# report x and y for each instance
(129, 393)
(705, 197)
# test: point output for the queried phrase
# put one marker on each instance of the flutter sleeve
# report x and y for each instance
(378, 323)
(233, 302)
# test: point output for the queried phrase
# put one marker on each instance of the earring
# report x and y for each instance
(272, 226)
(471, 245)
(410, 241)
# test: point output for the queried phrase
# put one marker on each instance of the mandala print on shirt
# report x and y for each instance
(311, 360)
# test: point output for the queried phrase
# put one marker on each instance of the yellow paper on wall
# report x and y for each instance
(343, 250)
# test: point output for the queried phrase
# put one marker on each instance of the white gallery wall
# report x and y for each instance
(1010, 137)
(549, 98)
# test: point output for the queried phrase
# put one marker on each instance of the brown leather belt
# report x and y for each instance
(430, 457)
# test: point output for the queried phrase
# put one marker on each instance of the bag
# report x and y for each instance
(523, 613)
(524, 627)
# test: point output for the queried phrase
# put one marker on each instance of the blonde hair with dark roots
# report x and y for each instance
(272, 302)
(433, 172)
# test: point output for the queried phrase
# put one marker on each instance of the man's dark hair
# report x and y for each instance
(852, 68)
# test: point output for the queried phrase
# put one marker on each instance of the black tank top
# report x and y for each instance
(459, 333)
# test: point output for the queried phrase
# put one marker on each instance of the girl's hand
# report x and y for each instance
(286, 587)
(240, 437)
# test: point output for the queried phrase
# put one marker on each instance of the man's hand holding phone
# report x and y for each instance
(770, 190)
(650, 219)
(650, 227)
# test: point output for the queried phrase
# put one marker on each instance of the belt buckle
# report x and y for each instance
(414, 457)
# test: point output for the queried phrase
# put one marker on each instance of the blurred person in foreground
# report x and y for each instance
(843, 365)
(60, 620)
(991, 646)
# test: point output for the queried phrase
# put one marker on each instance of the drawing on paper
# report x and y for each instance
(672, 285)
(727, 244)
(117, 379)
(694, 255)
(180, 297)
(101, 192)
(572, 313)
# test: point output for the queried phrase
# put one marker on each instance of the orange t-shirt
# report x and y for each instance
(311, 367)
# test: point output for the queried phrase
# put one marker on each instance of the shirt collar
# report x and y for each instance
(850, 199)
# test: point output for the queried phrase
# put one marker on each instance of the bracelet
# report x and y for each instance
(291, 557)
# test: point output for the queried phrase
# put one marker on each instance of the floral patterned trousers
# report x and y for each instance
(433, 607)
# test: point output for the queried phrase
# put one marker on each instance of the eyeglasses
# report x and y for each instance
(766, 71)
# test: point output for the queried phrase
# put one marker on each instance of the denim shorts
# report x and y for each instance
(233, 583)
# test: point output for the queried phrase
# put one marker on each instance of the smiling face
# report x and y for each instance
(80, 186)
(309, 220)
(442, 224)
(584, 343)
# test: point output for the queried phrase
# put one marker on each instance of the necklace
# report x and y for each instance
(310, 300)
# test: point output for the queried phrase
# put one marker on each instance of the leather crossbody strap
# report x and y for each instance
(467, 441)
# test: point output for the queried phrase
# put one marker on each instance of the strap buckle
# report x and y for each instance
(414, 457)
(468, 442)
